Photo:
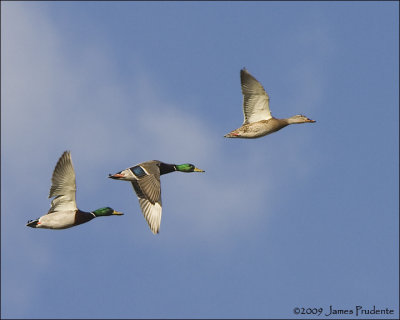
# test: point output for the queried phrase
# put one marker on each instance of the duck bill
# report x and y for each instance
(198, 170)
(309, 120)
(117, 213)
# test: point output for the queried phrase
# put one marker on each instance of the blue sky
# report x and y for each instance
(306, 217)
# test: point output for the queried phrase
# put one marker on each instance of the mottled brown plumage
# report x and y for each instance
(258, 121)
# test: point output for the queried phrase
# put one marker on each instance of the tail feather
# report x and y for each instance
(231, 135)
(32, 223)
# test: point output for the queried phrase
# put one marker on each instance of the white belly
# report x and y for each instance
(57, 220)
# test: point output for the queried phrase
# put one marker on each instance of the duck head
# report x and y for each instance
(106, 211)
(299, 118)
(187, 167)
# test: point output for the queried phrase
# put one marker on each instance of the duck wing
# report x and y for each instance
(63, 186)
(148, 191)
(255, 99)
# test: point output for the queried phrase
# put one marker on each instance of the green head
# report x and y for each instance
(187, 167)
(106, 211)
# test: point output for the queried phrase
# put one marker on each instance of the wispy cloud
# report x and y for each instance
(104, 126)
(51, 103)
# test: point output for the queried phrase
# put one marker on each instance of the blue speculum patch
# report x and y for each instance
(138, 171)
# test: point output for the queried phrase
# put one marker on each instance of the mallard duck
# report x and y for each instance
(63, 212)
(145, 179)
(258, 120)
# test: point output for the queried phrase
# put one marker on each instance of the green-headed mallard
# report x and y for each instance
(258, 120)
(145, 179)
(63, 212)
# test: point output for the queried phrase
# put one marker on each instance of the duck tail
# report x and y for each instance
(32, 223)
(231, 135)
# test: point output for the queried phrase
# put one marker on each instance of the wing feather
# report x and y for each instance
(255, 99)
(63, 186)
(148, 187)
(152, 213)
(148, 191)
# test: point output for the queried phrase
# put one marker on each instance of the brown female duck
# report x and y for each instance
(258, 120)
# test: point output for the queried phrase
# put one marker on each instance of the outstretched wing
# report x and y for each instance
(152, 213)
(148, 190)
(63, 186)
(255, 99)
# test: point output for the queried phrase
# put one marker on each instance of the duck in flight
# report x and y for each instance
(63, 212)
(145, 179)
(258, 121)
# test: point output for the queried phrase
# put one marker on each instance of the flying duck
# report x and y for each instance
(258, 121)
(145, 179)
(63, 212)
